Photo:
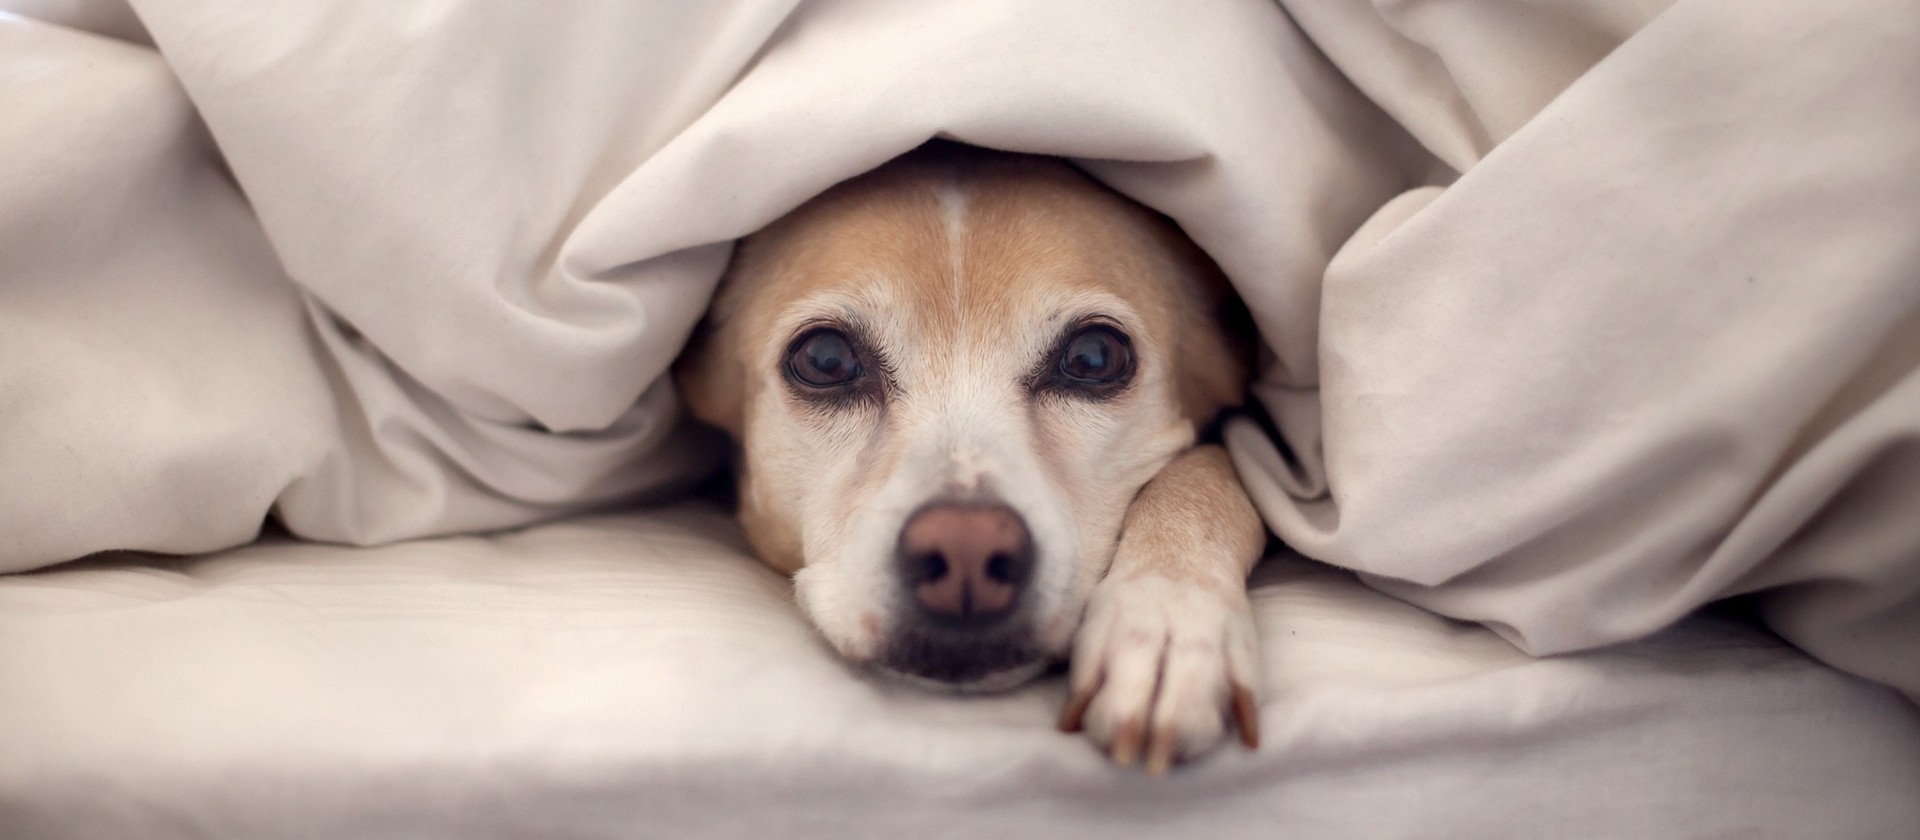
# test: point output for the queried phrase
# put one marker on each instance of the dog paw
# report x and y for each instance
(1159, 666)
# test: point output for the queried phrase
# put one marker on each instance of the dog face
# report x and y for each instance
(948, 379)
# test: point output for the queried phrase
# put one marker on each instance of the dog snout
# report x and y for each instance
(965, 563)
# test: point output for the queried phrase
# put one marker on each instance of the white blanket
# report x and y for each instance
(1582, 314)
(639, 676)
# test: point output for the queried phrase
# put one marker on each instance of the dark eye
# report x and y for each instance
(823, 358)
(1096, 356)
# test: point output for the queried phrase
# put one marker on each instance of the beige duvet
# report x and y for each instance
(1581, 314)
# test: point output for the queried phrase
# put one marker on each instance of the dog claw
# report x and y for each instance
(1246, 716)
(1160, 751)
(1126, 742)
(1074, 716)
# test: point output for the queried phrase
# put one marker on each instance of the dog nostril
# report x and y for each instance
(1000, 567)
(928, 567)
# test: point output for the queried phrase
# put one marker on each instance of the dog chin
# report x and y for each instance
(996, 681)
(961, 660)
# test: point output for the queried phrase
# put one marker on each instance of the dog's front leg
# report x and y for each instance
(1168, 648)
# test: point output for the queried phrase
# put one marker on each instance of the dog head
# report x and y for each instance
(948, 378)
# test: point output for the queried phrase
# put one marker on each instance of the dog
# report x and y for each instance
(968, 390)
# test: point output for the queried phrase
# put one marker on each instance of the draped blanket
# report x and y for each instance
(1580, 314)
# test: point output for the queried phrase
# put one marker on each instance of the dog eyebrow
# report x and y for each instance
(1097, 319)
(836, 310)
(848, 323)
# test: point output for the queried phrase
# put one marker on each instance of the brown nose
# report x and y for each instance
(966, 562)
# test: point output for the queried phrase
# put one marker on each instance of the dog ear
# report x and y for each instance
(1218, 341)
(710, 376)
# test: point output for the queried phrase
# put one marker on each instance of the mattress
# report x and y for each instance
(637, 674)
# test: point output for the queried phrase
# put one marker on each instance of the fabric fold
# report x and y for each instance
(1626, 333)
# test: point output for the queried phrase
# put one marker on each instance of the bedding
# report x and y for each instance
(1579, 315)
(638, 675)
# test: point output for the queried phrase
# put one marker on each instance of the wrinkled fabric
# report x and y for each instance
(640, 675)
(1659, 344)
(1579, 315)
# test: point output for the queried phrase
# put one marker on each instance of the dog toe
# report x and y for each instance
(1159, 669)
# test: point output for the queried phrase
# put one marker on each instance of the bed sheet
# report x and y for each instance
(638, 675)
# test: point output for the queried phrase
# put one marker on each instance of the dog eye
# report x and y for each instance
(823, 358)
(1096, 355)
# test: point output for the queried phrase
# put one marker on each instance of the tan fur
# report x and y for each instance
(965, 266)
(1030, 217)
(1195, 501)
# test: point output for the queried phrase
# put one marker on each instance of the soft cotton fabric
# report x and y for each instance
(641, 676)
(1580, 315)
